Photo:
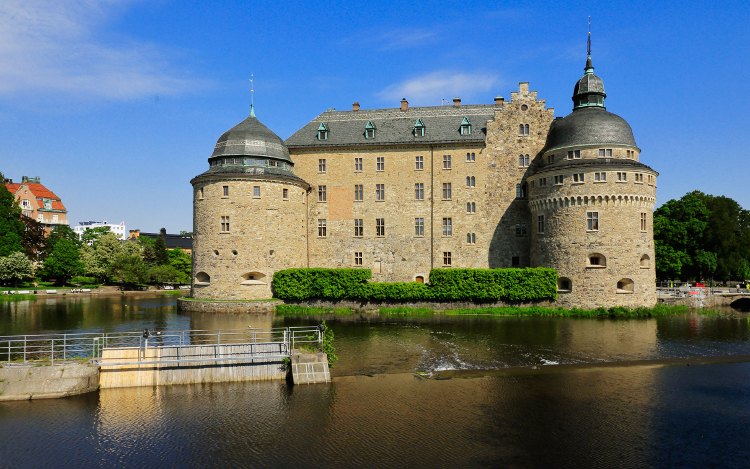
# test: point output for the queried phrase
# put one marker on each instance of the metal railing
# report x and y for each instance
(58, 348)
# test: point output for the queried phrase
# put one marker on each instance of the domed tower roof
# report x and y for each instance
(590, 124)
(251, 138)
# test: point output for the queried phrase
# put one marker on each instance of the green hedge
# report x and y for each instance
(480, 285)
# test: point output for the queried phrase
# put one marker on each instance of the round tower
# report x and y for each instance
(249, 215)
(591, 202)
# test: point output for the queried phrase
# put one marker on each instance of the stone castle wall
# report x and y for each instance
(265, 234)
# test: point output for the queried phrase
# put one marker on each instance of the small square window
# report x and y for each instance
(471, 181)
(357, 258)
(471, 238)
(447, 259)
(578, 178)
(285, 194)
(357, 165)
(471, 157)
(225, 224)
(380, 163)
(256, 192)
(471, 207)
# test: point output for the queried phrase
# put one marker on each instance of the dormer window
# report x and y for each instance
(419, 128)
(465, 127)
(322, 131)
(369, 130)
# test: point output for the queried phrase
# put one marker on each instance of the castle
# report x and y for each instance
(405, 190)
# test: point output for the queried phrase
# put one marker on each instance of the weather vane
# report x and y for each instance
(588, 48)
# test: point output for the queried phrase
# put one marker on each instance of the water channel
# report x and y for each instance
(424, 392)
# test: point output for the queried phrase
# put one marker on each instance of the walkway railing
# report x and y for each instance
(54, 349)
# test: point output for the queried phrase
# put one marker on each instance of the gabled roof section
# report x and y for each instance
(395, 127)
(38, 191)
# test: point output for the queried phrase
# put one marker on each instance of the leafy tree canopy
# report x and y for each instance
(15, 268)
(63, 262)
(11, 226)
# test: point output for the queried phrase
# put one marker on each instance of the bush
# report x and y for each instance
(481, 285)
(81, 280)
(324, 284)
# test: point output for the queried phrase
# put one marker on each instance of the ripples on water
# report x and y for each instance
(545, 416)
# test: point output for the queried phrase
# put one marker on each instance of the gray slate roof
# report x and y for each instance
(589, 126)
(251, 138)
(395, 127)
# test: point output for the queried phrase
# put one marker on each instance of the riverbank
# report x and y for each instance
(22, 294)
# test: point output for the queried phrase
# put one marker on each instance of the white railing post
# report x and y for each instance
(53, 352)
(24, 349)
(65, 346)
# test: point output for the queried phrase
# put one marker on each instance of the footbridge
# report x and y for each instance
(151, 358)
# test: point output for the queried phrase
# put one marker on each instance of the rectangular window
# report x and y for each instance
(322, 194)
(321, 165)
(380, 227)
(605, 153)
(55, 218)
(542, 182)
(550, 159)
(447, 259)
(200, 194)
(321, 228)
(380, 163)
(600, 176)
(357, 258)
(520, 229)
(471, 207)
(225, 224)
(540, 224)
(447, 191)
(40, 217)
(419, 227)
(470, 181)
(639, 178)
(419, 163)
(285, 194)
(578, 177)
(380, 192)
(226, 191)
(515, 261)
(592, 221)
(419, 191)
(359, 193)
(446, 161)
(256, 192)
(643, 221)
(574, 155)
(471, 157)
(520, 191)
(447, 227)
(471, 238)
(359, 227)
(622, 176)
(559, 180)
(357, 165)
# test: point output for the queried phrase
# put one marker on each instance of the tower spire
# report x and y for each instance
(252, 95)
(589, 65)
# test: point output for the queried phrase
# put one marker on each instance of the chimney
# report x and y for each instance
(355, 106)
(499, 100)
(404, 104)
(456, 102)
(163, 232)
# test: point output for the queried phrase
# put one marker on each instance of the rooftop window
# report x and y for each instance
(465, 127)
(419, 128)
(322, 131)
(369, 130)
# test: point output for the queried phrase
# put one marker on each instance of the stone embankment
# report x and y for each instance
(25, 382)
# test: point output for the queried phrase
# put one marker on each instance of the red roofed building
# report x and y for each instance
(38, 202)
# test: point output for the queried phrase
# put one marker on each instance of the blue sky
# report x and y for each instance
(116, 105)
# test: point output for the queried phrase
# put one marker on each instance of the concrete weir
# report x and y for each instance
(156, 366)
(26, 382)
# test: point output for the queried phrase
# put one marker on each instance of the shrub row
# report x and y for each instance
(481, 285)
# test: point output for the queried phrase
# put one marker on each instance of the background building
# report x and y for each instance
(118, 230)
(404, 190)
(38, 202)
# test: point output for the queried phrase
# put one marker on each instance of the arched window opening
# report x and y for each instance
(597, 260)
(645, 262)
(202, 279)
(253, 278)
(625, 285)
(419, 279)
(564, 285)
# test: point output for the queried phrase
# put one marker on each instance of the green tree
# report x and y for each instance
(92, 235)
(11, 226)
(680, 225)
(15, 268)
(105, 250)
(166, 274)
(129, 269)
(62, 232)
(182, 262)
(706, 263)
(63, 262)
(160, 251)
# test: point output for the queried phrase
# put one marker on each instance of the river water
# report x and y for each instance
(419, 392)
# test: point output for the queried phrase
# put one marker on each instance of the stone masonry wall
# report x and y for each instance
(265, 234)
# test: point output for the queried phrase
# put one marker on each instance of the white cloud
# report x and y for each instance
(51, 47)
(405, 39)
(431, 88)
